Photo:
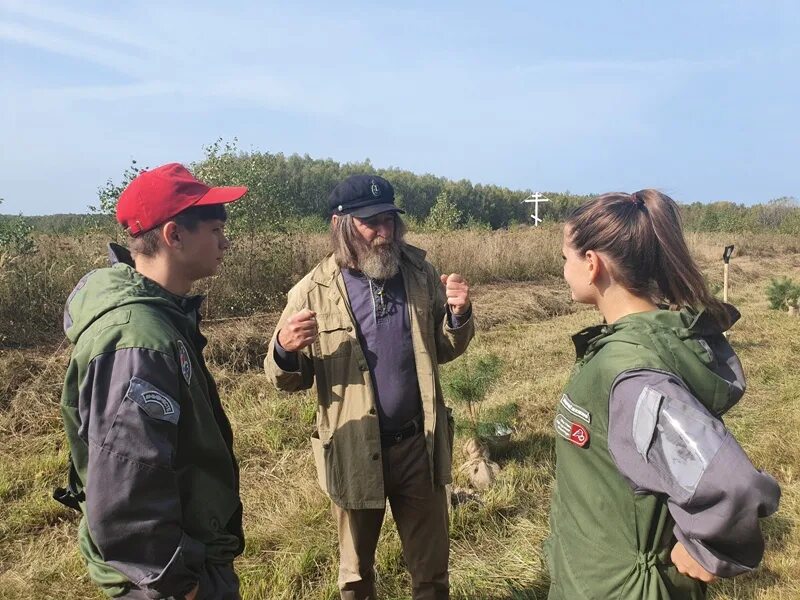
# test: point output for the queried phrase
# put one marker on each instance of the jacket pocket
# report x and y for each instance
(334, 337)
(451, 430)
(323, 462)
(145, 427)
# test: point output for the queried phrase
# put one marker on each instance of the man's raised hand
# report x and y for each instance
(457, 290)
(299, 331)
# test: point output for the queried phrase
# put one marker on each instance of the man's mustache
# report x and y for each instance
(381, 241)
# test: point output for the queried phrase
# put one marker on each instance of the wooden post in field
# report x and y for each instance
(726, 259)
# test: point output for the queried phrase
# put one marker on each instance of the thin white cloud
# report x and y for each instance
(196, 70)
(672, 65)
(99, 55)
(85, 23)
(260, 91)
(108, 93)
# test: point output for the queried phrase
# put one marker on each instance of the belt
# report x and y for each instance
(390, 438)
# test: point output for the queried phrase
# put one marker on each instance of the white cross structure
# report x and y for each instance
(536, 198)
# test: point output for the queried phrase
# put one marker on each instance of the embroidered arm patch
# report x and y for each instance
(153, 401)
(678, 438)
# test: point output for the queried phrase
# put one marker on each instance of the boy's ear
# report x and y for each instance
(171, 235)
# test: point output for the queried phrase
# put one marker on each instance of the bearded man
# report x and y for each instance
(371, 324)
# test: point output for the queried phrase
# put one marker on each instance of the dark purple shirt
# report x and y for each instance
(384, 331)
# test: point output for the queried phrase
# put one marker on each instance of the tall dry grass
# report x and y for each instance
(257, 272)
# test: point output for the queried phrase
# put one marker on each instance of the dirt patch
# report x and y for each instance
(501, 304)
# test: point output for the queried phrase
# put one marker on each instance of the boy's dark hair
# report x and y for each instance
(146, 244)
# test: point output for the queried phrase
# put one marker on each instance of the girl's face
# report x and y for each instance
(577, 272)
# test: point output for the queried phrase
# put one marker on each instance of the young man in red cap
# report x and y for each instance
(152, 468)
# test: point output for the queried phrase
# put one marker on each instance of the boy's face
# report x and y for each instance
(202, 250)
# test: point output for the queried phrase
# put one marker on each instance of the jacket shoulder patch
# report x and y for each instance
(575, 410)
(185, 362)
(153, 401)
(679, 437)
(573, 432)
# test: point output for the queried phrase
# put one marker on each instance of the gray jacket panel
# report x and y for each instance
(129, 420)
(664, 441)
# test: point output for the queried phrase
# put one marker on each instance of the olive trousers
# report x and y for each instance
(420, 512)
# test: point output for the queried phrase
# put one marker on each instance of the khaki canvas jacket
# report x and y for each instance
(346, 445)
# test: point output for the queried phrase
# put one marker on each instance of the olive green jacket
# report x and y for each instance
(346, 445)
(152, 464)
(611, 536)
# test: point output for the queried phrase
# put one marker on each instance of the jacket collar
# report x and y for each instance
(119, 255)
(682, 323)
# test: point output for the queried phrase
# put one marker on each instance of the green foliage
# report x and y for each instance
(263, 208)
(470, 379)
(69, 224)
(473, 378)
(286, 190)
(444, 215)
(15, 238)
(782, 292)
(780, 214)
(108, 195)
(474, 224)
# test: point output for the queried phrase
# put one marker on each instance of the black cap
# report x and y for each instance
(362, 196)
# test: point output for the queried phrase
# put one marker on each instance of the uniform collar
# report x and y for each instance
(119, 255)
(682, 323)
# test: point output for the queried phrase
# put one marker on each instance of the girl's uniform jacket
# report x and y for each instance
(644, 460)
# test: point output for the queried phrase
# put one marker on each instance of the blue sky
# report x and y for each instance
(699, 99)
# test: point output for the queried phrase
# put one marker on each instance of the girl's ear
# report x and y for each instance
(594, 266)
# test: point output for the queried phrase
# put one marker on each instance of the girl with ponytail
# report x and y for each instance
(653, 497)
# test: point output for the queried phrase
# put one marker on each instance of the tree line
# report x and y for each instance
(290, 193)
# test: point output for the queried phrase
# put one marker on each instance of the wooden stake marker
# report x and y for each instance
(726, 259)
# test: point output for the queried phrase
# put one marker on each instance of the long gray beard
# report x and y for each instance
(381, 261)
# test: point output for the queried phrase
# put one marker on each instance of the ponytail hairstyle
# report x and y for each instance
(641, 233)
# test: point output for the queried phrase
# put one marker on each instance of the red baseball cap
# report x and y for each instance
(155, 196)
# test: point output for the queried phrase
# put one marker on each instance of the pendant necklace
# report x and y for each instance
(378, 300)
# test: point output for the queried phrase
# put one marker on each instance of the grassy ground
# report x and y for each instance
(291, 549)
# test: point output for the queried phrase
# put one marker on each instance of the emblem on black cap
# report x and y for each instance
(376, 191)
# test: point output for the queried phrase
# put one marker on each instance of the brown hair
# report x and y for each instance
(147, 243)
(642, 234)
(346, 241)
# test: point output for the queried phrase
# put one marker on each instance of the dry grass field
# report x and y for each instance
(525, 317)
